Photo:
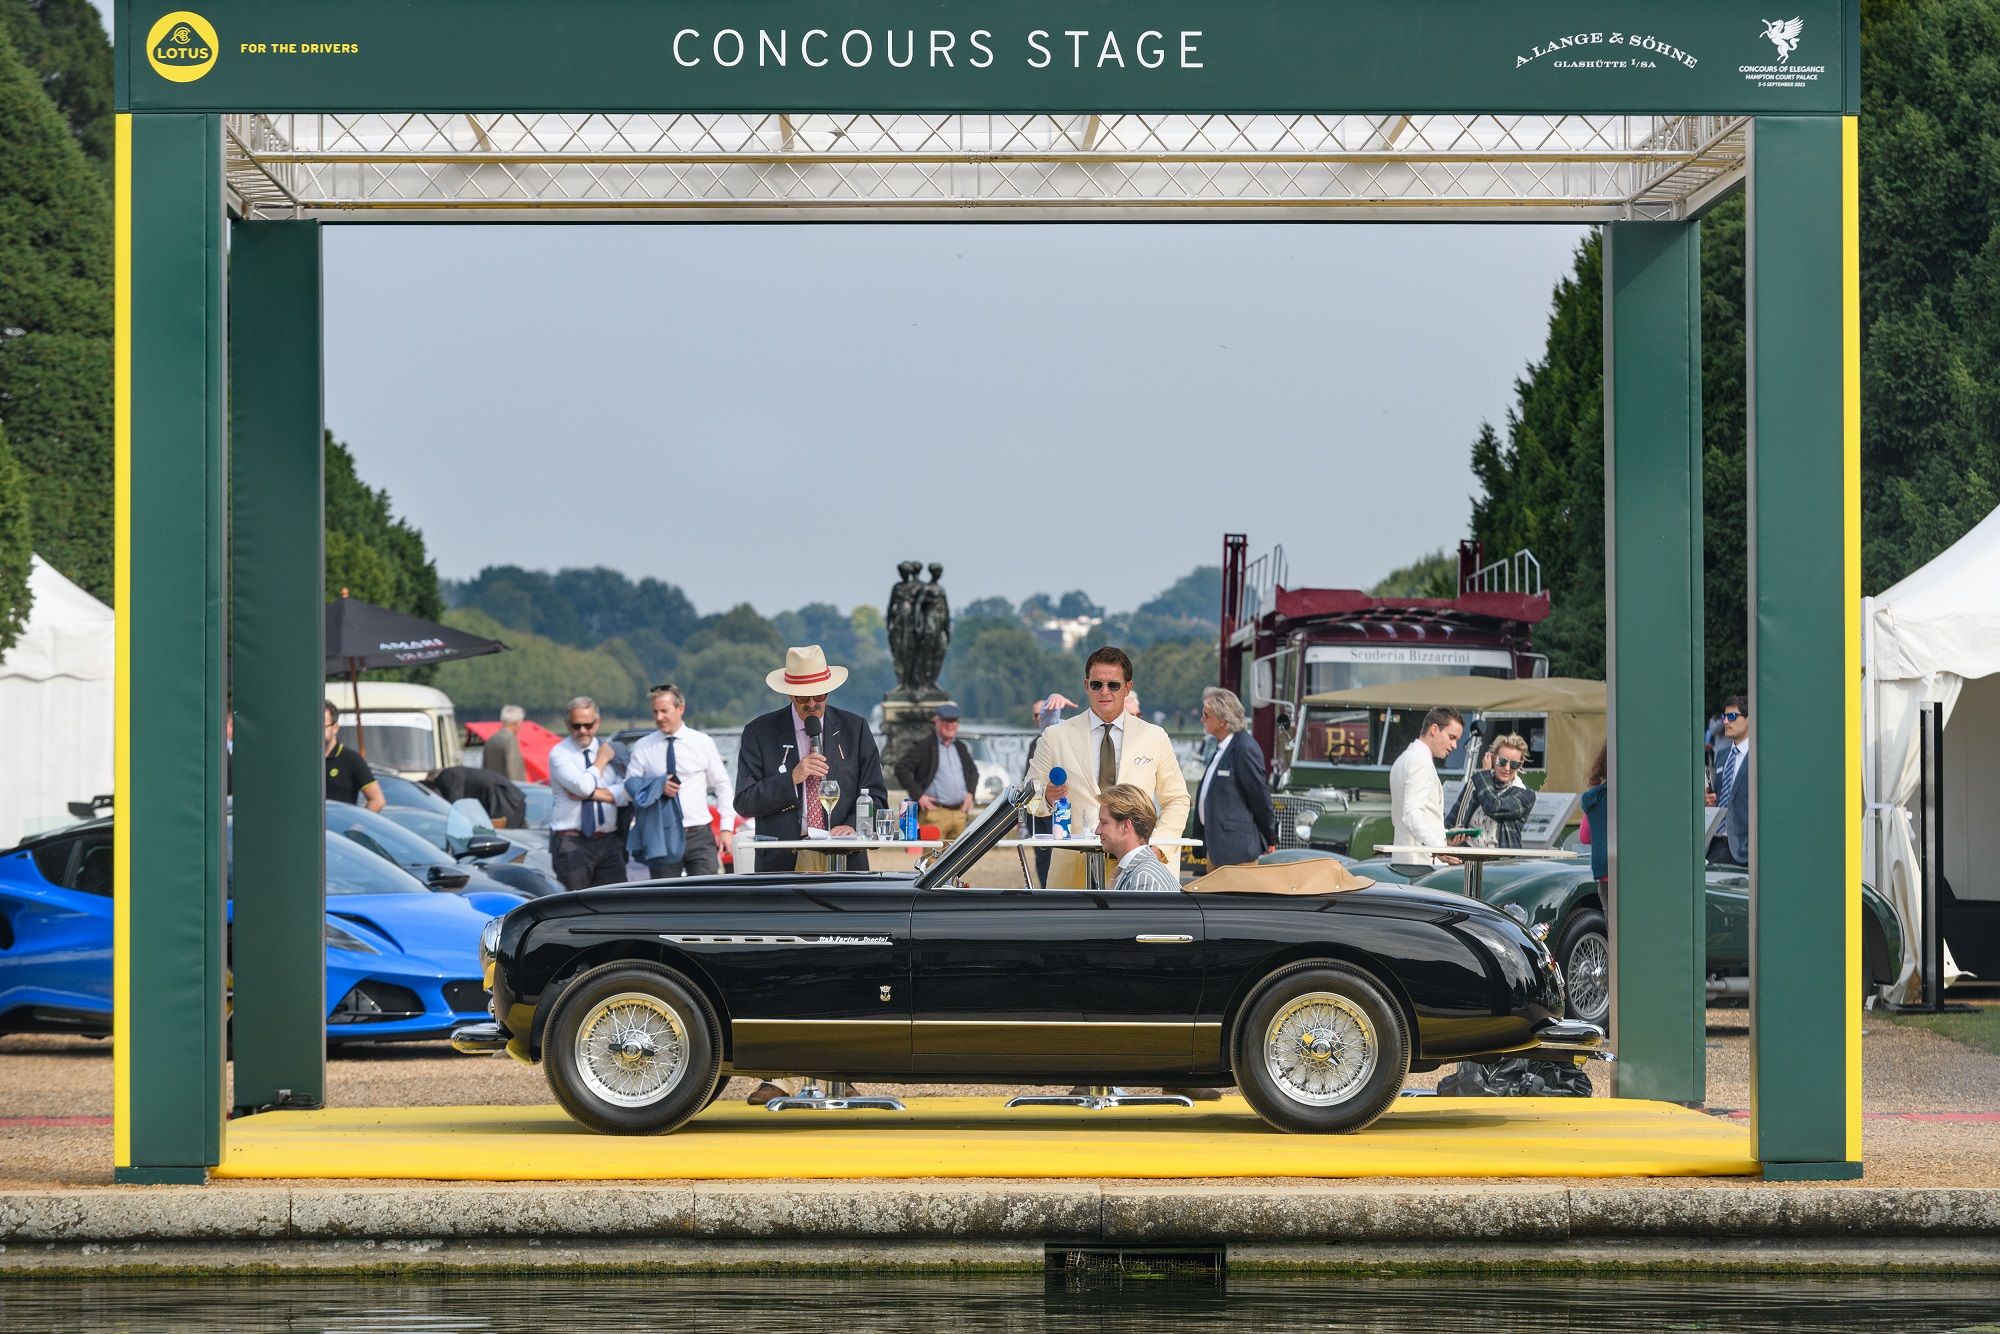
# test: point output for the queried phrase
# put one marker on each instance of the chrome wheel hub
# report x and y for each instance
(1589, 974)
(1320, 1048)
(631, 1049)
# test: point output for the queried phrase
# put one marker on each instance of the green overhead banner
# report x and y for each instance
(1161, 56)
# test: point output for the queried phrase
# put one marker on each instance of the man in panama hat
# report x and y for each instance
(786, 754)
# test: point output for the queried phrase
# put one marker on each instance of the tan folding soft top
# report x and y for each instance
(1312, 875)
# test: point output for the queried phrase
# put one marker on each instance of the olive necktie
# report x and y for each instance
(1107, 762)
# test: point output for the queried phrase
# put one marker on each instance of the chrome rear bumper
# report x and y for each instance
(1570, 1038)
(479, 1039)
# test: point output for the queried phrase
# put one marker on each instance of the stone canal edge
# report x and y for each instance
(962, 1225)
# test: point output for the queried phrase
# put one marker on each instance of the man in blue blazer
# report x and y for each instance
(1730, 787)
(786, 754)
(1233, 813)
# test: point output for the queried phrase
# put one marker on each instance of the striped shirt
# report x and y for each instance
(1142, 869)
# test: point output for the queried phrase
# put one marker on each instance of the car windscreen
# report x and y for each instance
(394, 745)
(1365, 738)
(541, 803)
(425, 824)
(399, 791)
(380, 833)
(996, 822)
(352, 869)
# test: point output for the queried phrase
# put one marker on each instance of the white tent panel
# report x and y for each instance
(57, 706)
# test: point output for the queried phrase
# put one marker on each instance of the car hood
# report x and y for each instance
(441, 929)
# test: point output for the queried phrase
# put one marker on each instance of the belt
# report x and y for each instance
(578, 833)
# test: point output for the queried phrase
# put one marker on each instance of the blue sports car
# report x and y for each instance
(402, 961)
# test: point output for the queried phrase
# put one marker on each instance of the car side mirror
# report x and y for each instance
(447, 877)
(486, 847)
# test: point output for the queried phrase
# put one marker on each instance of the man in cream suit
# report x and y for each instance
(1105, 746)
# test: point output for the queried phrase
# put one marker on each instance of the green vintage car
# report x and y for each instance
(1563, 895)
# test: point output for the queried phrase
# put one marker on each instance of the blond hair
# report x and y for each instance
(1122, 801)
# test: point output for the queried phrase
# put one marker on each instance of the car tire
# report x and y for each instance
(1585, 956)
(1321, 1048)
(632, 1049)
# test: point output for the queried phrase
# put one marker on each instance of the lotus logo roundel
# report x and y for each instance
(182, 46)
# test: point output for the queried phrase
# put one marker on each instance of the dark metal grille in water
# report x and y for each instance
(1002, 1304)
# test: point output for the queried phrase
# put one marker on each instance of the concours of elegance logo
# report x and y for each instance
(182, 46)
(1784, 34)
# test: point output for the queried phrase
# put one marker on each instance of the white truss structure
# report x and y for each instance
(684, 167)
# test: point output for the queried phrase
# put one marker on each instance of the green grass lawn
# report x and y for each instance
(1979, 1028)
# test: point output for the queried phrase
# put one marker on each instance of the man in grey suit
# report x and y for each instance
(502, 754)
(1730, 788)
(1233, 813)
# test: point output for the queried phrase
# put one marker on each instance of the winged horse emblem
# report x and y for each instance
(1784, 34)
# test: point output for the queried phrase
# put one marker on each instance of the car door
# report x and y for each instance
(1053, 979)
(55, 931)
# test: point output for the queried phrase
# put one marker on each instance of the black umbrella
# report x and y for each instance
(361, 636)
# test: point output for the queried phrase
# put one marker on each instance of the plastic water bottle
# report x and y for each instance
(1059, 813)
(864, 814)
(908, 820)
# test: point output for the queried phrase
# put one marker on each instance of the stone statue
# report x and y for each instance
(902, 624)
(933, 632)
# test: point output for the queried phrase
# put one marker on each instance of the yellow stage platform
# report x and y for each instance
(978, 1137)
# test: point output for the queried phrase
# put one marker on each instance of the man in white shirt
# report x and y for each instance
(583, 825)
(691, 769)
(1416, 797)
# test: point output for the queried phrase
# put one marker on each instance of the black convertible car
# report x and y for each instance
(1312, 991)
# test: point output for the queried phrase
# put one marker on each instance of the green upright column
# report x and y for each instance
(168, 925)
(1805, 703)
(1652, 480)
(277, 579)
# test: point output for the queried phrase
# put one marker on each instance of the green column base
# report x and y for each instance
(1812, 1171)
(160, 1176)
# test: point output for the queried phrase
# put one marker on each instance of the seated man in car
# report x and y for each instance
(1125, 821)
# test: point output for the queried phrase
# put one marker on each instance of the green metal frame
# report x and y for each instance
(1497, 56)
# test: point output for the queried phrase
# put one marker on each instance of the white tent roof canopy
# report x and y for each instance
(701, 167)
(69, 633)
(1946, 616)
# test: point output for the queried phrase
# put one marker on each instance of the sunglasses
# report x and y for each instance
(1099, 686)
(1730, 715)
(582, 727)
(1506, 764)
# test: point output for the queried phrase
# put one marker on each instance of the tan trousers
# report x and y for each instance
(950, 821)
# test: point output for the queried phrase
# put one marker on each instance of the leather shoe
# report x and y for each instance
(766, 1091)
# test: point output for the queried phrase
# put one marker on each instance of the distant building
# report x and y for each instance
(1066, 632)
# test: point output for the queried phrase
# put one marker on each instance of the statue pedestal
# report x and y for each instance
(907, 720)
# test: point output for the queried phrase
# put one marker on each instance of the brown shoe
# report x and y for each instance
(766, 1091)
(1197, 1095)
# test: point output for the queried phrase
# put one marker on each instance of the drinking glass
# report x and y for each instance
(829, 797)
(885, 826)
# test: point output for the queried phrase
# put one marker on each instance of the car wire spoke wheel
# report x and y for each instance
(1320, 1048)
(631, 1049)
(1588, 974)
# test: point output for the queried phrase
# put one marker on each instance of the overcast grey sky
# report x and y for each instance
(779, 414)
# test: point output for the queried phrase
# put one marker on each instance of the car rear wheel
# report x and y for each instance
(1585, 956)
(1321, 1048)
(632, 1050)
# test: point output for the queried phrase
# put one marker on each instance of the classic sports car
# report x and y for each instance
(399, 957)
(1312, 992)
(1563, 898)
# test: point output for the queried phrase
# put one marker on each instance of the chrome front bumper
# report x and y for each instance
(479, 1039)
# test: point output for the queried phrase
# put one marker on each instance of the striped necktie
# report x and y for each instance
(1725, 786)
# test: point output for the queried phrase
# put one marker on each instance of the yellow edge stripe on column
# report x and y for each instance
(1850, 422)
(121, 902)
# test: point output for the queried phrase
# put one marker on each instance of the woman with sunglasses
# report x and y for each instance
(1500, 802)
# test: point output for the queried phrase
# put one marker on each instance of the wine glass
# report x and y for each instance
(829, 797)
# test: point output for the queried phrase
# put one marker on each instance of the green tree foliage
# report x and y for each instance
(1432, 576)
(539, 674)
(995, 669)
(1189, 609)
(1170, 677)
(16, 549)
(64, 44)
(369, 551)
(55, 328)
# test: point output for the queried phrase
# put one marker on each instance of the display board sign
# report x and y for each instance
(1160, 56)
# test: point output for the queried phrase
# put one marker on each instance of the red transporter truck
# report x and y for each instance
(1280, 645)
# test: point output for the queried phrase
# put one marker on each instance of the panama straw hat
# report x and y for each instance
(806, 673)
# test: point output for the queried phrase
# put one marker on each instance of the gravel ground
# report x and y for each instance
(55, 1091)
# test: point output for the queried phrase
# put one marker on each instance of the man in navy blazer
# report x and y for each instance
(780, 764)
(1233, 813)
(1730, 786)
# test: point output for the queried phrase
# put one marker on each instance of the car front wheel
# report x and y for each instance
(632, 1050)
(1322, 1048)
(1585, 956)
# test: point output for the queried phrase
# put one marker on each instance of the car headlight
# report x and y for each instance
(489, 940)
(339, 939)
(1304, 830)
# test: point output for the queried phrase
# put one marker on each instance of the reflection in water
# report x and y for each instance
(976, 1305)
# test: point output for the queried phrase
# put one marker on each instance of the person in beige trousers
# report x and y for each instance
(1107, 745)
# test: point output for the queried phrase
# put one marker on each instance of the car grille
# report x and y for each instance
(375, 1002)
(467, 996)
(1291, 810)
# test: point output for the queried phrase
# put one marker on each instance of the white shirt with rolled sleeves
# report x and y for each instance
(1416, 803)
(574, 777)
(704, 777)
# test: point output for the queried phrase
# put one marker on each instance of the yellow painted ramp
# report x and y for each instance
(979, 1137)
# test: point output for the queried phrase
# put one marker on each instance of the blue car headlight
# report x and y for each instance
(339, 939)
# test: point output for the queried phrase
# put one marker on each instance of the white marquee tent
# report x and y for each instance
(1934, 637)
(56, 707)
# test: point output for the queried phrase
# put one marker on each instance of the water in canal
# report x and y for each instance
(683, 1303)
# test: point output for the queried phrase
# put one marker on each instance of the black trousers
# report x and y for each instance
(701, 856)
(581, 863)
